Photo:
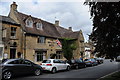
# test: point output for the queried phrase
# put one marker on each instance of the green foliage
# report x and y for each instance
(68, 45)
(106, 27)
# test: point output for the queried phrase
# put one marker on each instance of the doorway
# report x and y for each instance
(12, 53)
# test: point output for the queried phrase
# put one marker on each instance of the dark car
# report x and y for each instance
(91, 62)
(13, 67)
(99, 60)
(76, 63)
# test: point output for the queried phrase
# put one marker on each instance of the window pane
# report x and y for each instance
(27, 62)
(14, 62)
(41, 40)
(46, 61)
(4, 33)
(39, 56)
(13, 31)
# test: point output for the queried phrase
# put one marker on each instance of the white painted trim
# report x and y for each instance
(1, 45)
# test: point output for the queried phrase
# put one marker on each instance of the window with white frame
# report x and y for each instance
(4, 33)
(58, 55)
(29, 23)
(41, 39)
(13, 32)
(39, 26)
(39, 56)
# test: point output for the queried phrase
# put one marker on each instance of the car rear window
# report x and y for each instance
(46, 61)
(72, 61)
(14, 62)
(4, 60)
(86, 60)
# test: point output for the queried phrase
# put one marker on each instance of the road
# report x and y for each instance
(89, 73)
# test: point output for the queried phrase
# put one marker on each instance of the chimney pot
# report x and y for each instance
(57, 23)
(14, 6)
(70, 28)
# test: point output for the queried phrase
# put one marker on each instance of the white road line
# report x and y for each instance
(108, 74)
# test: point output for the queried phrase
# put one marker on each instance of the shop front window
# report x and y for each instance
(40, 56)
(58, 55)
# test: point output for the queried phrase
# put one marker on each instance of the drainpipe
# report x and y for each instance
(24, 45)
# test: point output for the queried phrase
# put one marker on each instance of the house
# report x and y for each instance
(89, 49)
(1, 43)
(10, 38)
(39, 37)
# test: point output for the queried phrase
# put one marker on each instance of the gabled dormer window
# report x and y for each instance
(41, 39)
(39, 26)
(29, 22)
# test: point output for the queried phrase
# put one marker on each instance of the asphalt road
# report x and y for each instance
(89, 73)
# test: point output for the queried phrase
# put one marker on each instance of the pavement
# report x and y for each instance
(89, 73)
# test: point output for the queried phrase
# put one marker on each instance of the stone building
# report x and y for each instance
(39, 37)
(89, 49)
(1, 43)
(11, 37)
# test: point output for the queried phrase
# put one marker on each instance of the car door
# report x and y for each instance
(93, 61)
(63, 65)
(82, 63)
(57, 64)
(28, 67)
(78, 62)
(16, 67)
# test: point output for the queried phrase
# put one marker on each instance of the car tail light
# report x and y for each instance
(48, 64)
(40, 63)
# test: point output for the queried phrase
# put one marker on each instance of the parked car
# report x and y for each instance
(99, 60)
(54, 65)
(91, 62)
(76, 63)
(13, 67)
(118, 59)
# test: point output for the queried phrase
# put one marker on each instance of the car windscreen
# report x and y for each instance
(46, 61)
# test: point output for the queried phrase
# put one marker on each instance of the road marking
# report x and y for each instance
(108, 74)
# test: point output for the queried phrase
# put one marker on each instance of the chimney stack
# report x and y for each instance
(56, 22)
(70, 28)
(14, 6)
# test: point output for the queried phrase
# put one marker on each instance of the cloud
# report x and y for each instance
(43, 0)
(70, 14)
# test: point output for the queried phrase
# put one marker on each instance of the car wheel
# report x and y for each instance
(68, 68)
(7, 75)
(92, 65)
(37, 72)
(76, 67)
(54, 70)
(85, 66)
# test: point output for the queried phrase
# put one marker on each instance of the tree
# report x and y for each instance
(106, 27)
(68, 45)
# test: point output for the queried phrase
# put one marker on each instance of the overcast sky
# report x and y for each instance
(70, 13)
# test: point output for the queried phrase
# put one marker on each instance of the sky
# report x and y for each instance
(71, 13)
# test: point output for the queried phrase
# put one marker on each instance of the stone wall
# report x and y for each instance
(8, 41)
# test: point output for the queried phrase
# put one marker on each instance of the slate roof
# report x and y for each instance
(6, 19)
(49, 29)
(65, 33)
